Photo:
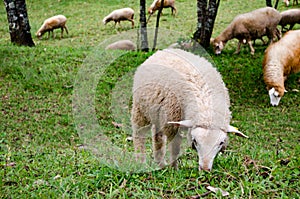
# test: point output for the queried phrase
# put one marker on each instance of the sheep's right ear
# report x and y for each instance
(212, 40)
(183, 123)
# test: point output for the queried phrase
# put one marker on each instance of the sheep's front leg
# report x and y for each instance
(174, 148)
(159, 146)
(139, 141)
(251, 47)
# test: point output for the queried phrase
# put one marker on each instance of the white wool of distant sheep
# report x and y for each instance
(287, 2)
(123, 14)
(280, 60)
(122, 45)
(249, 26)
(289, 17)
(169, 91)
(156, 4)
(58, 21)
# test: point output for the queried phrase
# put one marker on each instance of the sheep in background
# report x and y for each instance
(58, 21)
(290, 17)
(249, 26)
(281, 59)
(287, 2)
(167, 4)
(123, 14)
(175, 88)
(121, 45)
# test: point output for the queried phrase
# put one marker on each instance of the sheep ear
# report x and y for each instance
(232, 129)
(183, 123)
(212, 40)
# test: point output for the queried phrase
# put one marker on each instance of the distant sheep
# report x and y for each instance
(289, 17)
(249, 26)
(122, 45)
(156, 4)
(287, 2)
(175, 88)
(123, 14)
(58, 21)
(281, 59)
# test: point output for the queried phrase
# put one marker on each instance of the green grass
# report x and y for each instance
(41, 152)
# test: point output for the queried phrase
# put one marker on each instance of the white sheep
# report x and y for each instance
(289, 17)
(249, 26)
(287, 2)
(175, 88)
(281, 59)
(121, 45)
(58, 21)
(156, 4)
(123, 14)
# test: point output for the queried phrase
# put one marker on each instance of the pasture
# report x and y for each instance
(43, 155)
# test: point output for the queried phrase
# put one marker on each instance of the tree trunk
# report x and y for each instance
(269, 3)
(143, 27)
(206, 15)
(157, 24)
(19, 27)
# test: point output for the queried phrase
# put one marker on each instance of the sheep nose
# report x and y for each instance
(204, 168)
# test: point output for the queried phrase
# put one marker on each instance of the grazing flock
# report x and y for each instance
(174, 88)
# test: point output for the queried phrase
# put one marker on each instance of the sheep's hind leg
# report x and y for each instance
(238, 48)
(159, 146)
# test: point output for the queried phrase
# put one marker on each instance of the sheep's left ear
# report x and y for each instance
(234, 130)
(183, 123)
(212, 40)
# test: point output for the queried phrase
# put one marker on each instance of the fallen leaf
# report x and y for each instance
(11, 164)
(295, 90)
(215, 190)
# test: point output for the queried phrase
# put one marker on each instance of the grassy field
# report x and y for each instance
(42, 131)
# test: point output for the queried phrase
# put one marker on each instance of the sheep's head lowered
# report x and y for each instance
(208, 142)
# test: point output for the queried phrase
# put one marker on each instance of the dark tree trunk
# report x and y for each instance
(143, 29)
(157, 24)
(269, 3)
(206, 15)
(19, 27)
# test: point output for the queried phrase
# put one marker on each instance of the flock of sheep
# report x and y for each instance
(174, 88)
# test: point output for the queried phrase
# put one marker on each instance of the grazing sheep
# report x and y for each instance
(167, 4)
(175, 88)
(121, 45)
(249, 26)
(58, 21)
(281, 59)
(123, 14)
(290, 17)
(287, 2)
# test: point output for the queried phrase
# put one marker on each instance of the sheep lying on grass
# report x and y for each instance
(175, 88)
(290, 17)
(281, 59)
(156, 4)
(121, 45)
(58, 21)
(249, 26)
(123, 14)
